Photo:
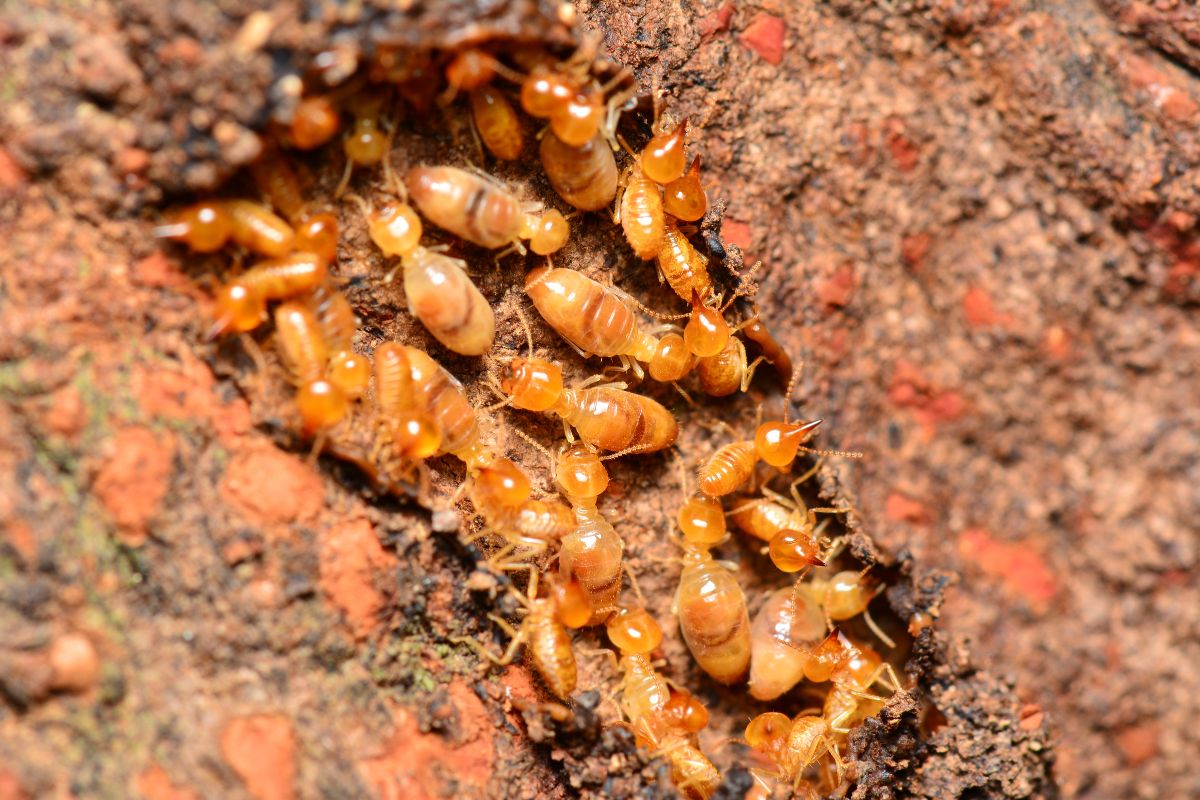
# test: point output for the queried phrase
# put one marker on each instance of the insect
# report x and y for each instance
(684, 197)
(318, 233)
(256, 228)
(783, 633)
(500, 492)
(591, 553)
(347, 370)
(547, 232)
(471, 207)
(439, 292)
(795, 744)
(440, 396)
(204, 227)
(367, 143)
(543, 631)
(847, 594)
(606, 417)
(598, 321)
(497, 123)
(277, 181)
(576, 112)
(663, 722)
(776, 356)
(776, 443)
(712, 611)
(662, 158)
(728, 371)
(305, 352)
(641, 214)
(682, 265)
(706, 332)
(411, 431)
(241, 304)
(584, 176)
(314, 123)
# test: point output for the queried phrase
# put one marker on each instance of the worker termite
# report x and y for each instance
(783, 633)
(306, 353)
(754, 330)
(206, 227)
(543, 631)
(497, 123)
(241, 304)
(661, 722)
(500, 492)
(367, 143)
(438, 290)
(728, 371)
(599, 322)
(468, 205)
(793, 745)
(606, 417)
(347, 370)
(682, 266)
(591, 553)
(684, 197)
(584, 176)
(711, 607)
(411, 431)
(846, 595)
(641, 213)
(314, 123)
(440, 396)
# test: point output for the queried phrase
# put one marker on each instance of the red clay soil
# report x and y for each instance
(977, 222)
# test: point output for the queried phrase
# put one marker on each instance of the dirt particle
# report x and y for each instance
(66, 414)
(1017, 564)
(269, 487)
(21, 538)
(10, 787)
(914, 249)
(1032, 717)
(157, 271)
(904, 150)
(261, 749)
(75, 665)
(351, 559)
(902, 508)
(716, 21)
(764, 35)
(132, 161)
(104, 69)
(736, 232)
(11, 175)
(837, 290)
(1171, 100)
(182, 392)
(1057, 344)
(153, 783)
(1138, 743)
(132, 483)
(980, 311)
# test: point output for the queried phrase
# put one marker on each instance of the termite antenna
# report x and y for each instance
(875, 629)
(537, 446)
(528, 331)
(637, 448)
(791, 386)
(840, 453)
(637, 590)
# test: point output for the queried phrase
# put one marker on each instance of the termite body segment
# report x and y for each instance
(713, 616)
(727, 372)
(592, 553)
(440, 395)
(471, 207)
(258, 229)
(727, 469)
(241, 304)
(204, 227)
(306, 353)
(411, 429)
(684, 197)
(605, 417)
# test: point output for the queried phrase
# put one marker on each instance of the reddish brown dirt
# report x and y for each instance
(978, 222)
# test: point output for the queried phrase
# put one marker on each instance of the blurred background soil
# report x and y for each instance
(977, 221)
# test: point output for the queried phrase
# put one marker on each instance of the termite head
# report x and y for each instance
(634, 631)
(580, 471)
(571, 605)
(768, 734)
(706, 332)
(792, 551)
(503, 483)
(778, 442)
(239, 309)
(702, 520)
(533, 383)
(686, 712)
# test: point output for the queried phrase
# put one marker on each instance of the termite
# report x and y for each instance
(712, 610)
(682, 265)
(314, 123)
(347, 370)
(438, 290)
(306, 353)
(647, 702)
(241, 304)
(497, 123)
(795, 744)
(206, 227)
(480, 210)
(783, 633)
(641, 213)
(584, 176)
(412, 431)
(662, 159)
(606, 417)
(367, 143)
(543, 631)
(599, 322)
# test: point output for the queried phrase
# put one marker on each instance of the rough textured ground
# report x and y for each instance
(977, 222)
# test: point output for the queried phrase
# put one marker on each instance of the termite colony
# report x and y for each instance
(395, 411)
